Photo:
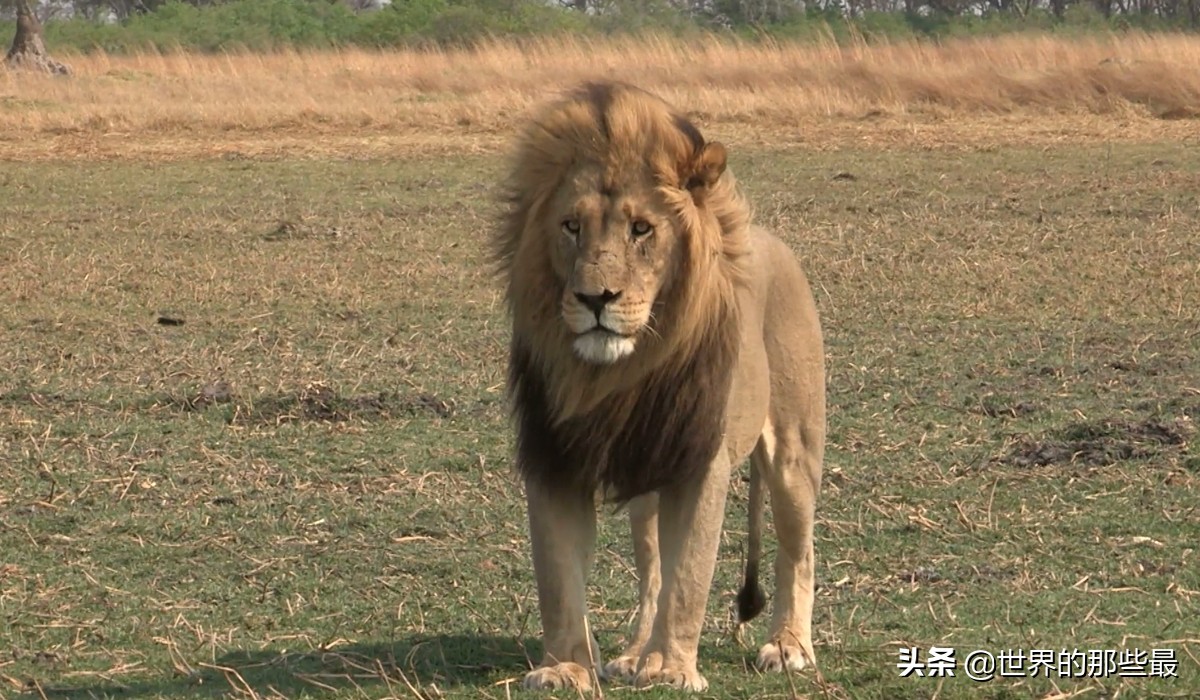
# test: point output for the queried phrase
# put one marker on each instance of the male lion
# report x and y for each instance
(658, 339)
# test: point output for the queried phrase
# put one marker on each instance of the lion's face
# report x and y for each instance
(615, 239)
(616, 250)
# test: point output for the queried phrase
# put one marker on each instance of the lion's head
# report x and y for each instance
(621, 242)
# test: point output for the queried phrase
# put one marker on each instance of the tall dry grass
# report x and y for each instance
(764, 86)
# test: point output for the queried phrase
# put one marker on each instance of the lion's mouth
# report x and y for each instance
(605, 330)
(602, 345)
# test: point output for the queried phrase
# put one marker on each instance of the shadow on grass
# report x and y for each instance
(416, 662)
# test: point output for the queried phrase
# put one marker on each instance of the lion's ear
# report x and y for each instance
(706, 168)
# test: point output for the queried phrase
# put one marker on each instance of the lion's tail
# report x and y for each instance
(751, 599)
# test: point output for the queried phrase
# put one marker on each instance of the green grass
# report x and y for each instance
(303, 490)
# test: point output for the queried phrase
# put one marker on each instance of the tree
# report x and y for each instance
(28, 50)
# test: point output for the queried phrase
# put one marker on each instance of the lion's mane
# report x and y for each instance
(657, 417)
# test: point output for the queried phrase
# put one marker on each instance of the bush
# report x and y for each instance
(397, 24)
(251, 24)
(265, 25)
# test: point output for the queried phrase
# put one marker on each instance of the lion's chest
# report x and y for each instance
(665, 432)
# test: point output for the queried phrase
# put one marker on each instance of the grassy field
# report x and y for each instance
(254, 444)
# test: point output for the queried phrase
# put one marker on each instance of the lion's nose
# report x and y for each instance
(597, 302)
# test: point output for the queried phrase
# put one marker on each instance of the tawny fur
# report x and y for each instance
(613, 191)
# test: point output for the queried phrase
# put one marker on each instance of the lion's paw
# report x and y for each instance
(564, 675)
(623, 668)
(676, 677)
(778, 657)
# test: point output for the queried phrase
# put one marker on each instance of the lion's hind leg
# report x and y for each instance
(788, 458)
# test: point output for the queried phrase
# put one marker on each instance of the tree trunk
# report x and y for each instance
(28, 50)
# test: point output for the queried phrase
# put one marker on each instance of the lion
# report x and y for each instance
(658, 339)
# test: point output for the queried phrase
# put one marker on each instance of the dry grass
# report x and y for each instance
(1115, 87)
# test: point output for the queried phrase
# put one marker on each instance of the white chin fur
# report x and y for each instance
(602, 348)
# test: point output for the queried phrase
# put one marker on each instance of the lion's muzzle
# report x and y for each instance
(603, 326)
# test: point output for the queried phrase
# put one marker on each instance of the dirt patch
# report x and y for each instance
(288, 230)
(1103, 442)
(995, 406)
(315, 402)
(320, 402)
(986, 573)
(921, 574)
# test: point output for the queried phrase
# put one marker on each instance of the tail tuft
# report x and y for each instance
(751, 599)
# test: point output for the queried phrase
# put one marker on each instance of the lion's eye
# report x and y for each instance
(571, 227)
(641, 228)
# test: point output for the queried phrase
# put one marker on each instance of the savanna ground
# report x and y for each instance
(253, 438)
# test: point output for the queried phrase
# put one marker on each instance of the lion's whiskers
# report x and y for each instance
(649, 327)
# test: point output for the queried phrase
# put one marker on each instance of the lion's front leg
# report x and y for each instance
(562, 528)
(643, 523)
(689, 531)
